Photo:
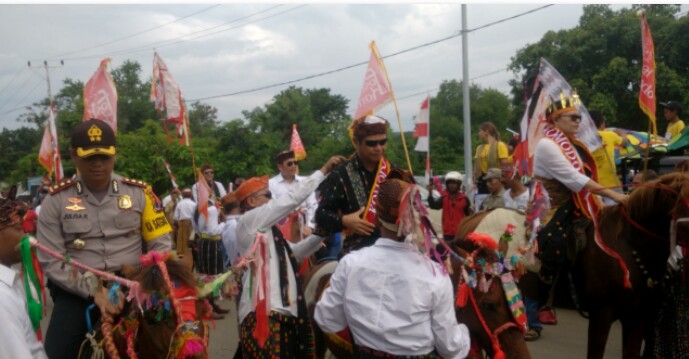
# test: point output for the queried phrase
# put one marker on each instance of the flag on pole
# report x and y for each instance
(45, 153)
(203, 194)
(647, 99)
(422, 133)
(375, 92)
(548, 85)
(169, 172)
(100, 96)
(168, 97)
(296, 145)
(183, 129)
(49, 153)
(421, 129)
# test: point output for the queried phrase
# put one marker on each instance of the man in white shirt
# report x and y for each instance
(396, 301)
(17, 336)
(285, 331)
(229, 233)
(516, 195)
(217, 189)
(183, 219)
(286, 179)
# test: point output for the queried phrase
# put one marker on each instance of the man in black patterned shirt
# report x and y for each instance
(347, 197)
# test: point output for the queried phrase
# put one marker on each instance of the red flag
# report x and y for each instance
(100, 96)
(203, 194)
(296, 145)
(49, 153)
(375, 92)
(165, 91)
(45, 154)
(422, 126)
(647, 99)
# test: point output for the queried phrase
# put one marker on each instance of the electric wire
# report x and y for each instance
(321, 74)
(134, 34)
(179, 39)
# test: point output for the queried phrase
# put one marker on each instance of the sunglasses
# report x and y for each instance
(374, 143)
(290, 163)
(573, 118)
(208, 172)
(268, 195)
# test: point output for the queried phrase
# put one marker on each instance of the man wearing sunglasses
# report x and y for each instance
(218, 191)
(281, 184)
(285, 331)
(347, 197)
(565, 169)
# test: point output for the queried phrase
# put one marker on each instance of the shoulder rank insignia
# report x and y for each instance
(63, 184)
(134, 182)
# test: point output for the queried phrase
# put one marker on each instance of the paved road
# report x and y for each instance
(566, 340)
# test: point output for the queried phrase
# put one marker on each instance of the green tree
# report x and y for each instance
(601, 57)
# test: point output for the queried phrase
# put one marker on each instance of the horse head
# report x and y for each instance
(486, 297)
(171, 321)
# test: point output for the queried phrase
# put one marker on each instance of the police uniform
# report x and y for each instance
(105, 231)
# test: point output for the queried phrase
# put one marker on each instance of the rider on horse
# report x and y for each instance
(565, 170)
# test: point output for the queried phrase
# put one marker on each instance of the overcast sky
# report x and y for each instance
(221, 49)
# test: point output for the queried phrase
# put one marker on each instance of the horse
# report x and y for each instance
(156, 331)
(639, 232)
(492, 305)
(485, 310)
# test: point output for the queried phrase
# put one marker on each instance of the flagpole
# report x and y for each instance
(428, 153)
(50, 105)
(397, 111)
(468, 164)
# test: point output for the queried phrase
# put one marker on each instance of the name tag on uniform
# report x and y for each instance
(124, 202)
(75, 204)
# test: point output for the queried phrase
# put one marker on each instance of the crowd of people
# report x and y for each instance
(107, 221)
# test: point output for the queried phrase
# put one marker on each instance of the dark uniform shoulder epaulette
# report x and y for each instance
(134, 182)
(63, 184)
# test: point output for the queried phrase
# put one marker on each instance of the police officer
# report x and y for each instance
(100, 219)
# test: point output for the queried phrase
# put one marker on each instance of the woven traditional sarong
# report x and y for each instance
(281, 342)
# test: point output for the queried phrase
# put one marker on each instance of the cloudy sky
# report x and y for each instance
(215, 50)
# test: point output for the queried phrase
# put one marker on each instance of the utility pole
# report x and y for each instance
(468, 163)
(47, 76)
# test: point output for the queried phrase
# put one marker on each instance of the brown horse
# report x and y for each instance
(152, 333)
(639, 232)
(493, 322)
(492, 305)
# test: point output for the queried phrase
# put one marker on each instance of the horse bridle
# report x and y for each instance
(464, 291)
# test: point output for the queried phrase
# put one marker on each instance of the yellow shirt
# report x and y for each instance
(674, 129)
(605, 158)
(483, 156)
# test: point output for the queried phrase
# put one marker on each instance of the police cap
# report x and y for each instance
(93, 137)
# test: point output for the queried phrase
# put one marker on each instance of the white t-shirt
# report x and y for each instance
(17, 337)
(519, 203)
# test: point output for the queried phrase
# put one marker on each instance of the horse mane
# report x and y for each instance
(469, 223)
(151, 279)
(669, 188)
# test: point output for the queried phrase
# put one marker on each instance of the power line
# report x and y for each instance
(365, 62)
(12, 80)
(179, 39)
(135, 34)
(16, 92)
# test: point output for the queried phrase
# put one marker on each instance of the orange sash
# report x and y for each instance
(384, 168)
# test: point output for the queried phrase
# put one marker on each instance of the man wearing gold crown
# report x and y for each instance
(566, 171)
(347, 198)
